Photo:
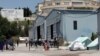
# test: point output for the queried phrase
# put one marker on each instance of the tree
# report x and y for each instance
(13, 29)
(1, 8)
(4, 26)
(27, 22)
(8, 28)
(94, 36)
(27, 12)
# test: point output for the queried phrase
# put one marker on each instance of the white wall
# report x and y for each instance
(12, 14)
(86, 25)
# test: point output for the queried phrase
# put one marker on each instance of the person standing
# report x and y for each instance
(26, 42)
(11, 43)
(30, 43)
(17, 41)
(46, 45)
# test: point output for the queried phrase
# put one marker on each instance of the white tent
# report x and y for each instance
(77, 46)
(93, 44)
(84, 40)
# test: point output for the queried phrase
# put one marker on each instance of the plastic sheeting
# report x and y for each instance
(94, 43)
(80, 39)
(77, 46)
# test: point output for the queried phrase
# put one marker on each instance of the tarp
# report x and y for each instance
(77, 46)
(79, 39)
(93, 43)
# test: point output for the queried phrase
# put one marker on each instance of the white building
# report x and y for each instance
(66, 18)
(47, 5)
(13, 14)
(68, 24)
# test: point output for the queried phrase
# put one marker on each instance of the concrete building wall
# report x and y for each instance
(86, 24)
(98, 20)
(31, 32)
(39, 23)
(42, 31)
(35, 34)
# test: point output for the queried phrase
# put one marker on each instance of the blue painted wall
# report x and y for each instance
(86, 24)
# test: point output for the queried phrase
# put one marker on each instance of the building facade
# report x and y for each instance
(66, 18)
(46, 6)
(68, 24)
(71, 24)
(39, 32)
(13, 14)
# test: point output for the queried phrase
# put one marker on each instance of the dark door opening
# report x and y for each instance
(51, 31)
(38, 33)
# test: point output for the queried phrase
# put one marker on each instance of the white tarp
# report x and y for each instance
(94, 43)
(79, 39)
(77, 46)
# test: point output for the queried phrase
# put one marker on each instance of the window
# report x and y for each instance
(57, 3)
(75, 25)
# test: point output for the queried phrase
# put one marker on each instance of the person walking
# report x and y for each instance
(11, 43)
(26, 42)
(46, 45)
(36, 43)
(17, 41)
(30, 43)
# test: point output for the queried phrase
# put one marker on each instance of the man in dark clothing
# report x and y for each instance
(30, 43)
(26, 42)
(17, 41)
(1, 45)
(11, 43)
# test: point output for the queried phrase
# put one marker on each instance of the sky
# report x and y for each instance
(19, 3)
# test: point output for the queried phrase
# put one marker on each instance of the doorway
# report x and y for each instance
(51, 31)
(38, 33)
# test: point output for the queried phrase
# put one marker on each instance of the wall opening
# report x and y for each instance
(75, 25)
(51, 31)
(38, 33)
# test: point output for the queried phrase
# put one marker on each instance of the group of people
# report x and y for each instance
(46, 43)
(7, 44)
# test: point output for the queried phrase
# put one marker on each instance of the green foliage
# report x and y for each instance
(4, 26)
(14, 30)
(27, 12)
(26, 27)
(8, 28)
(94, 36)
(1, 8)
(2, 38)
